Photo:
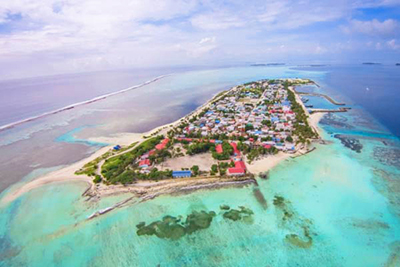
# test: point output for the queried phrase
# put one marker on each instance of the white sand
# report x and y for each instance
(266, 163)
(123, 139)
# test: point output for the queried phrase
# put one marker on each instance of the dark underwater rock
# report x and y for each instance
(349, 142)
(335, 121)
(171, 227)
(237, 215)
(388, 156)
(224, 207)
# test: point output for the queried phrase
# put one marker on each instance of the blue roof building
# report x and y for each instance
(117, 147)
(274, 119)
(181, 174)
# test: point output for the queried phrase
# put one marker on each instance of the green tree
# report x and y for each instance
(195, 170)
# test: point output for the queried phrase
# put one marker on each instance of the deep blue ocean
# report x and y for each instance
(375, 88)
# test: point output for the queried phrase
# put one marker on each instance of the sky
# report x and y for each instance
(45, 37)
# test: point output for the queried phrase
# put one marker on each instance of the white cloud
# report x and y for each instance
(207, 40)
(393, 44)
(53, 36)
(374, 27)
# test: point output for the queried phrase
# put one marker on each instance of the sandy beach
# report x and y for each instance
(67, 174)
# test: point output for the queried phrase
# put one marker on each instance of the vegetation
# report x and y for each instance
(195, 170)
(97, 179)
(90, 168)
(226, 154)
(258, 151)
(116, 169)
(301, 127)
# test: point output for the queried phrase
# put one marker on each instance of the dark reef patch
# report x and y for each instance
(304, 241)
(302, 236)
(174, 228)
(224, 207)
(394, 257)
(335, 121)
(388, 184)
(387, 156)
(350, 142)
(243, 213)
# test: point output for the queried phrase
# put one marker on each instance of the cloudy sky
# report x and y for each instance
(41, 37)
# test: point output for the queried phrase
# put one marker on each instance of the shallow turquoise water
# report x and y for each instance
(349, 201)
(352, 223)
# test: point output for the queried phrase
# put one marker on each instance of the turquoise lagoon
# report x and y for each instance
(348, 202)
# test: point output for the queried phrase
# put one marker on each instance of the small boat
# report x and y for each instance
(305, 100)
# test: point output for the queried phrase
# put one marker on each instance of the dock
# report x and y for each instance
(345, 109)
(322, 95)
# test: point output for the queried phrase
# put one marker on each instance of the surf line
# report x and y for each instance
(98, 98)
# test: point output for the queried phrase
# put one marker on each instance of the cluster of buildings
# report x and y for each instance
(260, 112)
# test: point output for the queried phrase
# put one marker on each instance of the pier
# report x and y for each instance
(345, 109)
(322, 95)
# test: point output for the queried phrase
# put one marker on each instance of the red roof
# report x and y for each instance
(212, 141)
(165, 141)
(162, 144)
(236, 170)
(267, 146)
(144, 162)
(240, 165)
(185, 139)
(219, 149)
(251, 139)
(151, 152)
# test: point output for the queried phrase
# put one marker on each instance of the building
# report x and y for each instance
(181, 174)
(162, 145)
(117, 147)
(144, 163)
(238, 170)
(219, 149)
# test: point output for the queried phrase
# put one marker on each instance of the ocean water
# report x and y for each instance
(349, 201)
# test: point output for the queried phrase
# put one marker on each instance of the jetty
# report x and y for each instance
(345, 109)
(324, 96)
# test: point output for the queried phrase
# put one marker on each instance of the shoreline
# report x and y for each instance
(67, 174)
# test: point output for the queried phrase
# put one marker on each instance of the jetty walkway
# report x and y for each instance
(322, 95)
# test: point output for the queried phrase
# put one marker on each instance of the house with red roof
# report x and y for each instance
(163, 144)
(144, 163)
(238, 170)
(219, 149)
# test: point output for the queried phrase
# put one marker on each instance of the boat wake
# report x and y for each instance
(98, 98)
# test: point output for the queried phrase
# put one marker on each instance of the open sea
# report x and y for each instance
(336, 206)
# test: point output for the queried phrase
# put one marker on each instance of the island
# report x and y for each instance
(231, 140)
(267, 64)
(371, 63)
